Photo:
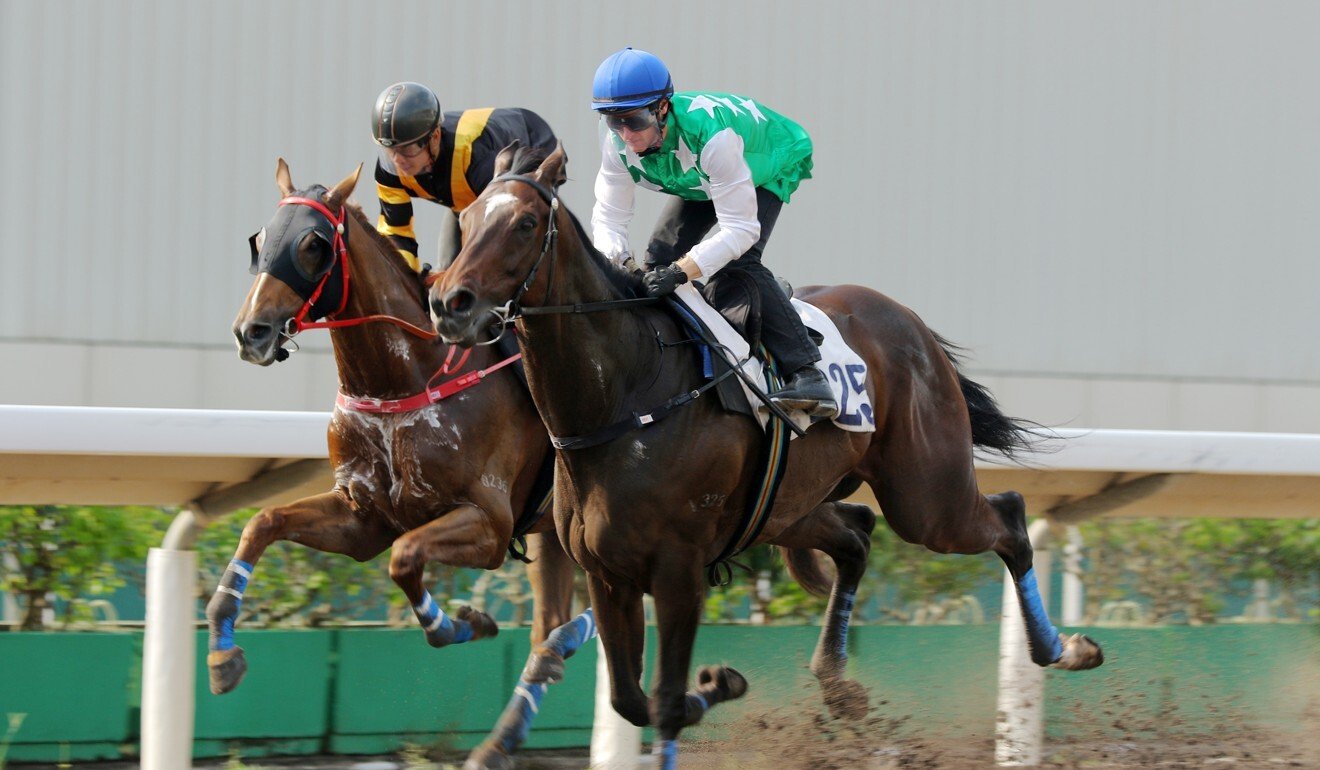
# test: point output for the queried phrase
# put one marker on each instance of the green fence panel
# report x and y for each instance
(74, 690)
(375, 690)
(936, 679)
(924, 678)
(393, 688)
(1190, 680)
(281, 706)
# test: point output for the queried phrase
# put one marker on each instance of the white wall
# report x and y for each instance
(1112, 205)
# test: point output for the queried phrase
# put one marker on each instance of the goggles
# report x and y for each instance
(633, 120)
(410, 150)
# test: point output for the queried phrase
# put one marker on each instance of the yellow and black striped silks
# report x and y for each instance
(469, 142)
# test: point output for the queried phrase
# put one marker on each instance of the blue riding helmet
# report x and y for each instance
(630, 79)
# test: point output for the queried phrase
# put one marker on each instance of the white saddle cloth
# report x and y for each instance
(845, 370)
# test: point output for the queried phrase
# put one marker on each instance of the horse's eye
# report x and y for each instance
(527, 223)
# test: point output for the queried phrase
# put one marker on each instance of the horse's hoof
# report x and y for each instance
(227, 668)
(482, 624)
(726, 681)
(545, 666)
(1080, 652)
(846, 699)
(488, 756)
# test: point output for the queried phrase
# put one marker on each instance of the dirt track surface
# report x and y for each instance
(788, 742)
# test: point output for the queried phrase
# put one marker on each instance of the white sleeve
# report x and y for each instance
(734, 196)
(615, 191)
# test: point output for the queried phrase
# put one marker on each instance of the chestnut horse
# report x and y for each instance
(434, 477)
(646, 511)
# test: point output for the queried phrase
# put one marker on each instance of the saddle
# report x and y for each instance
(732, 316)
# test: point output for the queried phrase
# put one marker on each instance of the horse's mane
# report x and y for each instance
(628, 283)
(381, 242)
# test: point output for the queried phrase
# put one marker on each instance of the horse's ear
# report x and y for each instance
(554, 169)
(340, 192)
(282, 178)
(504, 161)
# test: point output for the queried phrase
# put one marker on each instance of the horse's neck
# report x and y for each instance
(583, 368)
(377, 358)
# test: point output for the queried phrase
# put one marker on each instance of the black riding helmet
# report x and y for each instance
(404, 113)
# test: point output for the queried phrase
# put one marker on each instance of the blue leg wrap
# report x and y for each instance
(696, 699)
(526, 703)
(440, 629)
(516, 719)
(232, 585)
(844, 613)
(1041, 632)
(668, 753)
(566, 639)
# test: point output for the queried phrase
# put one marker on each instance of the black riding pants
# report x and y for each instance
(683, 224)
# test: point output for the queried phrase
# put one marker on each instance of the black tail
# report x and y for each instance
(991, 428)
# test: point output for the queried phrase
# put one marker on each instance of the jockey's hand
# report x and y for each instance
(663, 280)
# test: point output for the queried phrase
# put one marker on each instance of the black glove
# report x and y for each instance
(662, 280)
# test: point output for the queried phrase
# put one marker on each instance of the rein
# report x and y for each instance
(513, 310)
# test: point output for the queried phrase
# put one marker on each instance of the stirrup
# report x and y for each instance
(824, 407)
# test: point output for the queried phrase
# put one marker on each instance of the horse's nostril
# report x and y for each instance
(256, 334)
(459, 302)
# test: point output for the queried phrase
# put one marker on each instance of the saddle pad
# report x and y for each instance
(845, 370)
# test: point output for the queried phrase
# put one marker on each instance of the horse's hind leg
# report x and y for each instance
(679, 591)
(843, 531)
(324, 522)
(1048, 647)
(463, 537)
(551, 574)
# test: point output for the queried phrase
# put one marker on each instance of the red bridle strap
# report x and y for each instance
(340, 251)
(426, 397)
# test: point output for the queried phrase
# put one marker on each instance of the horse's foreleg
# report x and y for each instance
(1048, 647)
(324, 522)
(680, 591)
(551, 574)
(464, 537)
(618, 610)
(842, 531)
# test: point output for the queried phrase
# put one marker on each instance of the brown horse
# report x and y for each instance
(437, 479)
(647, 510)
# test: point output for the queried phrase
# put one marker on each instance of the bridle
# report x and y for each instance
(339, 249)
(512, 310)
(299, 322)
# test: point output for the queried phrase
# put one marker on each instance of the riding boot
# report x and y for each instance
(809, 391)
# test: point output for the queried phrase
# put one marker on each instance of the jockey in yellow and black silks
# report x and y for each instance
(445, 157)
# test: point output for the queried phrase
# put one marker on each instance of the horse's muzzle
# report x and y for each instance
(257, 342)
(458, 316)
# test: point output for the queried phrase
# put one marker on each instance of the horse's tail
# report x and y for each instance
(804, 566)
(991, 428)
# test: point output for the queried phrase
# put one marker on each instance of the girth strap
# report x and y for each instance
(774, 461)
